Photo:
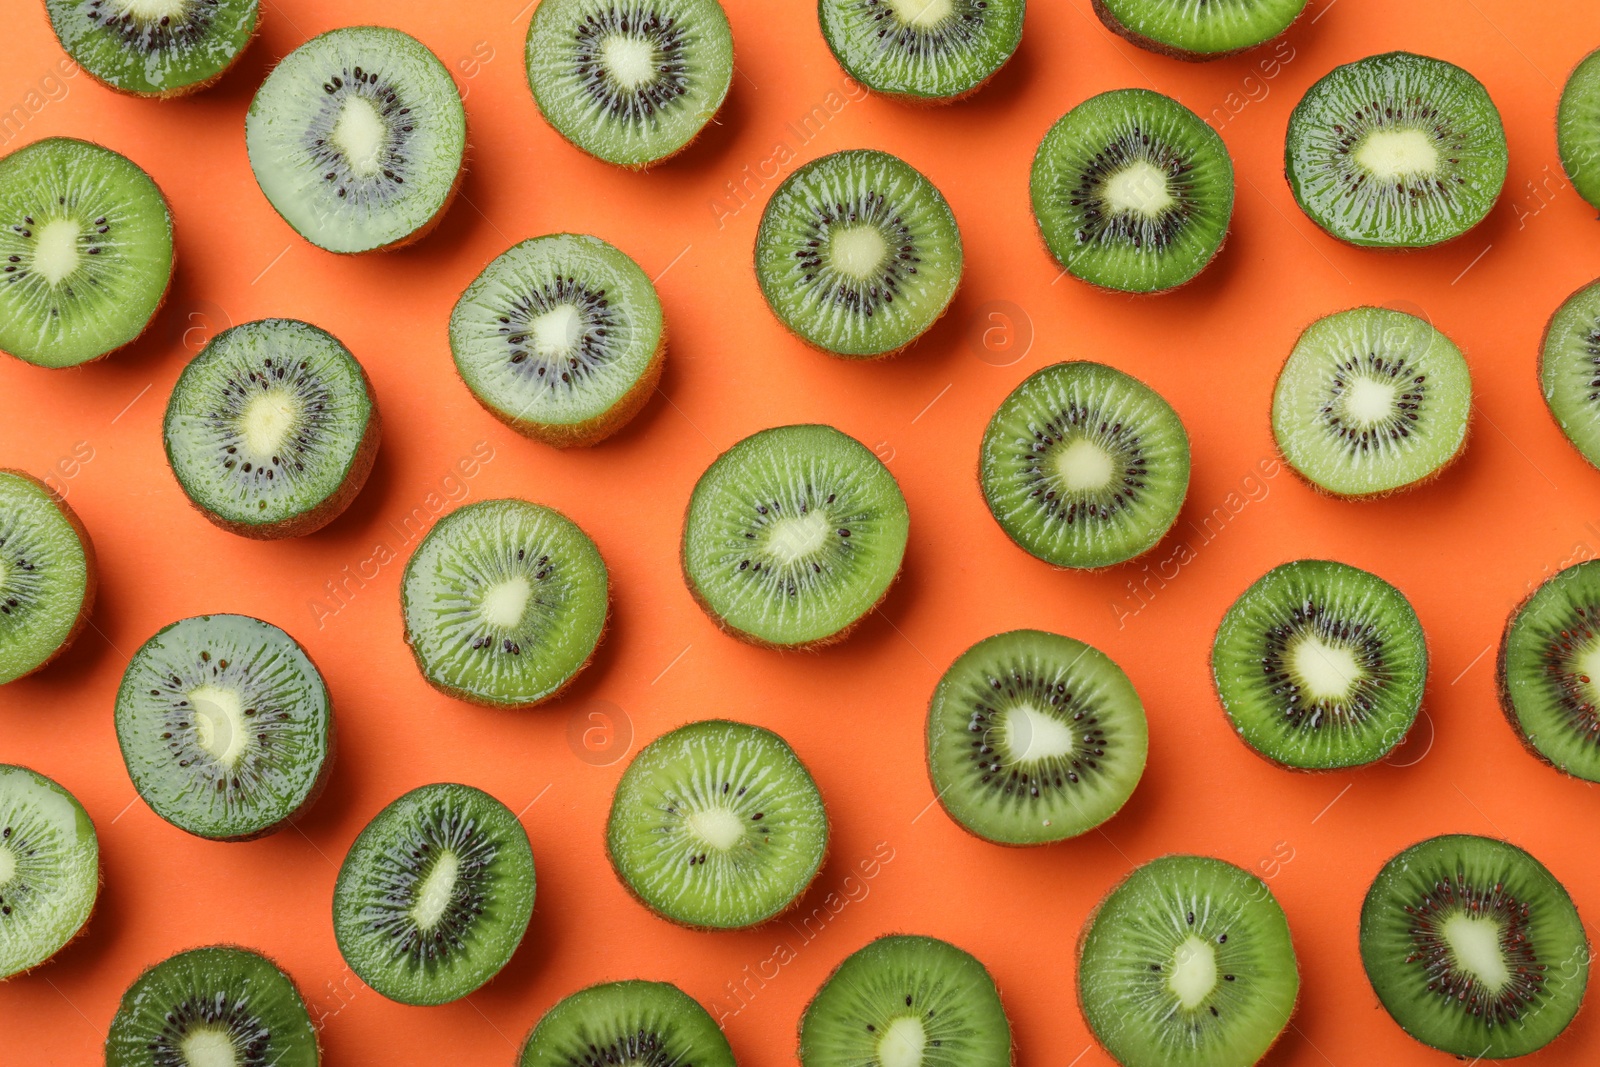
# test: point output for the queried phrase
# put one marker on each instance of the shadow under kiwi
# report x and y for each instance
(1001, 92)
(376, 493)
(461, 222)
(712, 147)
(877, 627)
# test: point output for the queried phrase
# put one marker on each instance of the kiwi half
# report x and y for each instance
(1371, 401)
(49, 868)
(560, 338)
(435, 895)
(272, 429)
(161, 48)
(1320, 665)
(85, 252)
(358, 139)
(1569, 370)
(1396, 151)
(225, 726)
(47, 575)
(717, 825)
(1548, 668)
(504, 603)
(629, 81)
(906, 1000)
(1473, 947)
(629, 1022)
(1084, 466)
(1190, 31)
(793, 535)
(1187, 963)
(858, 253)
(1132, 191)
(1034, 737)
(1578, 128)
(931, 51)
(221, 1006)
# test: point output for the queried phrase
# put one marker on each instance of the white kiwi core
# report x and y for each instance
(858, 251)
(55, 249)
(902, 1043)
(718, 828)
(359, 133)
(437, 888)
(1474, 943)
(1396, 154)
(504, 602)
(1193, 974)
(1032, 734)
(1140, 188)
(219, 723)
(630, 60)
(1326, 671)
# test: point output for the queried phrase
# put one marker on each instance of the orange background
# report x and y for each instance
(1519, 505)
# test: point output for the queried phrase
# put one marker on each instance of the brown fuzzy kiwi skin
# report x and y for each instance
(1160, 48)
(91, 569)
(178, 91)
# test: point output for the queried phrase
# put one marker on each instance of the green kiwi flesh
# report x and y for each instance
(906, 1001)
(358, 139)
(1474, 948)
(629, 1022)
(1034, 737)
(1396, 151)
(504, 603)
(717, 825)
(1187, 963)
(435, 894)
(1578, 128)
(225, 726)
(1569, 370)
(1186, 30)
(793, 535)
(1547, 668)
(86, 252)
(47, 575)
(1320, 665)
(160, 48)
(923, 50)
(49, 868)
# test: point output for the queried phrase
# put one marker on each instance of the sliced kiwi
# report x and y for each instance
(221, 1006)
(226, 726)
(435, 894)
(560, 338)
(49, 868)
(1548, 671)
(1474, 948)
(1187, 963)
(1320, 665)
(85, 252)
(1034, 737)
(1187, 30)
(1396, 151)
(717, 825)
(1578, 128)
(1132, 191)
(793, 535)
(629, 81)
(1084, 466)
(1370, 401)
(906, 1001)
(923, 50)
(358, 139)
(1569, 370)
(504, 603)
(272, 429)
(858, 253)
(47, 575)
(160, 48)
(629, 1022)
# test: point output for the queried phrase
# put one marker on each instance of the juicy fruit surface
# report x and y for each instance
(1371, 400)
(357, 138)
(1578, 128)
(49, 868)
(922, 48)
(225, 725)
(45, 576)
(1320, 665)
(717, 824)
(1473, 947)
(1209, 28)
(85, 252)
(1084, 466)
(1397, 150)
(268, 423)
(630, 1022)
(435, 894)
(1569, 370)
(154, 47)
(794, 534)
(629, 81)
(1188, 963)
(906, 1001)
(1132, 191)
(212, 1007)
(504, 602)
(556, 331)
(1034, 737)
(1549, 664)
(858, 253)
